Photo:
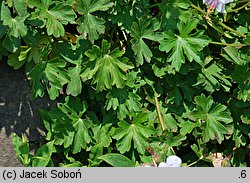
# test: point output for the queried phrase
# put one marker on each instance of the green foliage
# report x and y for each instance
(49, 74)
(242, 77)
(90, 24)
(53, 17)
(16, 27)
(117, 160)
(213, 78)
(135, 81)
(144, 30)
(184, 43)
(123, 101)
(106, 68)
(136, 131)
(41, 158)
(212, 115)
(74, 132)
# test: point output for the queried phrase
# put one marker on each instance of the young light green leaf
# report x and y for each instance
(43, 155)
(20, 7)
(19, 58)
(245, 117)
(21, 147)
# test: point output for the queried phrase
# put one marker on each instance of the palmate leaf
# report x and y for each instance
(181, 88)
(74, 87)
(73, 54)
(184, 45)
(136, 131)
(20, 7)
(89, 24)
(123, 101)
(75, 84)
(68, 126)
(242, 77)
(212, 78)
(106, 68)
(212, 116)
(16, 26)
(50, 75)
(144, 29)
(13, 27)
(172, 11)
(103, 133)
(54, 17)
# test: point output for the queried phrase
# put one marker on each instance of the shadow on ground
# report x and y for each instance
(18, 113)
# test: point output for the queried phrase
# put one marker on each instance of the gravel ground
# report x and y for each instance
(18, 113)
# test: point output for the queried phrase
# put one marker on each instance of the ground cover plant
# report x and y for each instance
(137, 81)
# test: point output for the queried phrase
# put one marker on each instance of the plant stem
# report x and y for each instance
(159, 113)
(199, 9)
(237, 9)
(227, 44)
(191, 164)
(231, 30)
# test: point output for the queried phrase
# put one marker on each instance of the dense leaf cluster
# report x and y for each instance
(136, 81)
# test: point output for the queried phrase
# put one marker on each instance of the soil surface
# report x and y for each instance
(18, 113)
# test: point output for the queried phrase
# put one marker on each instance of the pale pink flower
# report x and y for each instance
(218, 4)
